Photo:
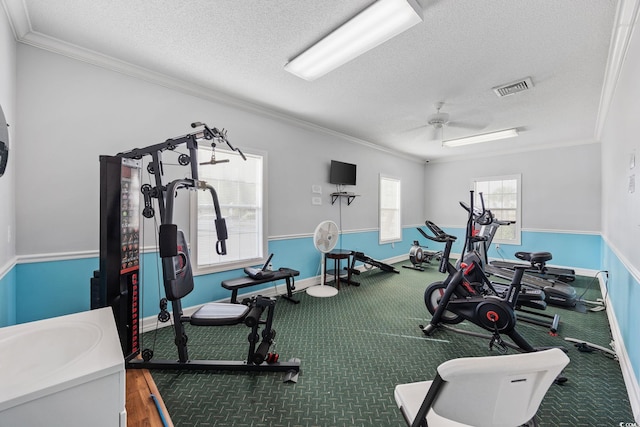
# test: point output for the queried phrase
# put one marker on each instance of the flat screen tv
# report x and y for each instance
(342, 173)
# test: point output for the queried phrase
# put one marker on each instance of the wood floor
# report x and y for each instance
(141, 408)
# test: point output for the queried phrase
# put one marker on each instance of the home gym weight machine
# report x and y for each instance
(117, 282)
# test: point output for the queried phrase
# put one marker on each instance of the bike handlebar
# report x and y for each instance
(482, 217)
(438, 235)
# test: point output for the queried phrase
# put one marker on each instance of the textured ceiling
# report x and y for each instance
(461, 50)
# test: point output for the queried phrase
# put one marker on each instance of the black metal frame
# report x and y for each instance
(166, 196)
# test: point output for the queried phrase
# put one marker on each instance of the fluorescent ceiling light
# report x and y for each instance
(376, 24)
(485, 137)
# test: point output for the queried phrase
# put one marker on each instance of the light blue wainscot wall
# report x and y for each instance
(40, 290)
(574, 250)
(308, 259)
(53, 288)
(577, 250)
(8, 298)
(624, 295)
(56, 288)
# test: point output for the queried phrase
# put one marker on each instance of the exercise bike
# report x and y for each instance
(467, 294)
(455, 299)
(532, 300)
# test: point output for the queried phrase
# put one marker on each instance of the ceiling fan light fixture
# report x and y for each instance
(376, 24)
(485, 137)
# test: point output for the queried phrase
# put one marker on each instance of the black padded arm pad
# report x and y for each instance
(253, 317)
(221, 231)
(168, 240)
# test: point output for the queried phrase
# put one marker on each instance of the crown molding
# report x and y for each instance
(19, 20)
(625, 20)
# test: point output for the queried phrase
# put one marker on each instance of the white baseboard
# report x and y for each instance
(630, 380)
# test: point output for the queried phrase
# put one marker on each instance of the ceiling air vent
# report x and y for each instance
(513, 87)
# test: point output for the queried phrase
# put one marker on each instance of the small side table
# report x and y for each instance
(337, 255)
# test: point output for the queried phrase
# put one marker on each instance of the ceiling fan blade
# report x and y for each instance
(415, 129)
(463, 125)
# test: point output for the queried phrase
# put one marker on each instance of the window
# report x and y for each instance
(389, 214)
(502, 196)
(240, 186)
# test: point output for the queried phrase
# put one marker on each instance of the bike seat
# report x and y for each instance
(534, 257)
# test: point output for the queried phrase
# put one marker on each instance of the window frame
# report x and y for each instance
(397, 236)
(518, 221)
(193, 220)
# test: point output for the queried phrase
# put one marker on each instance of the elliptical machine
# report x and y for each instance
(456, 299)
(557, 292)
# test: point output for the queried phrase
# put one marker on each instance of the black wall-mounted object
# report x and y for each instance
(4, 157)
(4, 143)
(341, 173)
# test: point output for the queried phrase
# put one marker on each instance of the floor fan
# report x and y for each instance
(325, 238)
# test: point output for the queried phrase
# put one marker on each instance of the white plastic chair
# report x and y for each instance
(492, 391)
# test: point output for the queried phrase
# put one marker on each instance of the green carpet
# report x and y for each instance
(356, 346)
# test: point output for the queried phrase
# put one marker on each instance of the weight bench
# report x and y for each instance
(287, 274)
(360, 256)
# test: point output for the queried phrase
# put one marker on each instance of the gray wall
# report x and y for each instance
(70, 112)
(621, 141)
(7, 181)
(621, 213)
(560, 187)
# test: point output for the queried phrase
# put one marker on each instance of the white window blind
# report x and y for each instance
(502, 195)
(389, 210)
(240, 186)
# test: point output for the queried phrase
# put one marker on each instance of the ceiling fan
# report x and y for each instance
(439, 120)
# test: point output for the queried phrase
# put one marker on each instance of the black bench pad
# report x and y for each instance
(243, 282)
